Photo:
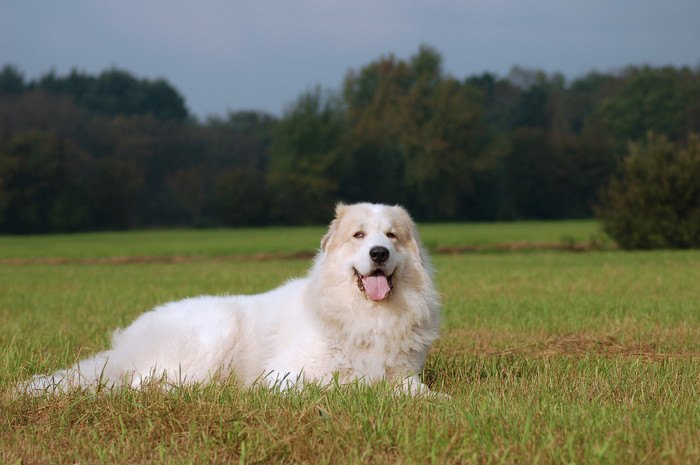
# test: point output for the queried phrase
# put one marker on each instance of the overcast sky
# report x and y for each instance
(261, 54)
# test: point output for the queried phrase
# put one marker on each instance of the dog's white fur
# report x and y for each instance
(317, 328)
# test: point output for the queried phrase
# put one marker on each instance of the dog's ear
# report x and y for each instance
(329, 235)
(414, 244)
(333, 228)
(417, 248)
(340, 208)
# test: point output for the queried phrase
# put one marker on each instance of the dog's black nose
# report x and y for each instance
(378, 254)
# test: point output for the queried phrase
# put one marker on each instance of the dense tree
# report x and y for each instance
(242, 139)
(303, 174)
(81, 151)
(144, 170)
(11, 80)
(414, 134)
(43, 184)
(117, 92)
(649, 100)
(655, 203)
(532, 107)
(113, 192)
(238, 148)
(241, 197)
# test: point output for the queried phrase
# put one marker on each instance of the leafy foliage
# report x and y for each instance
(421, 125)
(304, 159)
(116, 92)
(656, 201)
(11, 80)
(43, 184)
(529, 145)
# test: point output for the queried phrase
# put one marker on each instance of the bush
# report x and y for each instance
(656, 201)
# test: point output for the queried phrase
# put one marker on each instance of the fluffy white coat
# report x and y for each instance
(310, 329)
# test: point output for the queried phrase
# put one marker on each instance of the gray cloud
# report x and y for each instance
(261, 54)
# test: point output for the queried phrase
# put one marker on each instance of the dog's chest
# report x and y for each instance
(369, 358)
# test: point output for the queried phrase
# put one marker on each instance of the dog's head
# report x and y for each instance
(376, 246)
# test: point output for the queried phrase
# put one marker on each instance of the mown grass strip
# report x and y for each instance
(282, 242)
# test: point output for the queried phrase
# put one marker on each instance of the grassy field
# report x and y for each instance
(549, 356)
(279, 240)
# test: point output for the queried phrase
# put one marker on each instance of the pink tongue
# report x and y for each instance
(376, 287)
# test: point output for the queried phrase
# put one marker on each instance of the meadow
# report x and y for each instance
(549, 354)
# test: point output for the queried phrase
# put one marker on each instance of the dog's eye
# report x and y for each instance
(359, 235)
(391, 235)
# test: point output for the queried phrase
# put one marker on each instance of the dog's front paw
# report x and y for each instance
(284, 381)
(412, 385)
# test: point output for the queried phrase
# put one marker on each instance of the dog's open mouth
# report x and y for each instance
(377, 286)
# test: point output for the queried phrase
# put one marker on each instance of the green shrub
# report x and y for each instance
(655, 203)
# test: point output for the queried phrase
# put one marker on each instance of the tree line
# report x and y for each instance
(113, 151)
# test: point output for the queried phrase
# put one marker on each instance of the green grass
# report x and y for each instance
(156, 243)
(548, 356)
(515, 233)
(247, 241)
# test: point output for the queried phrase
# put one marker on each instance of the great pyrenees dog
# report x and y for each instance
(367, 311)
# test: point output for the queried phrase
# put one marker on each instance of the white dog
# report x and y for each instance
(366, 311)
